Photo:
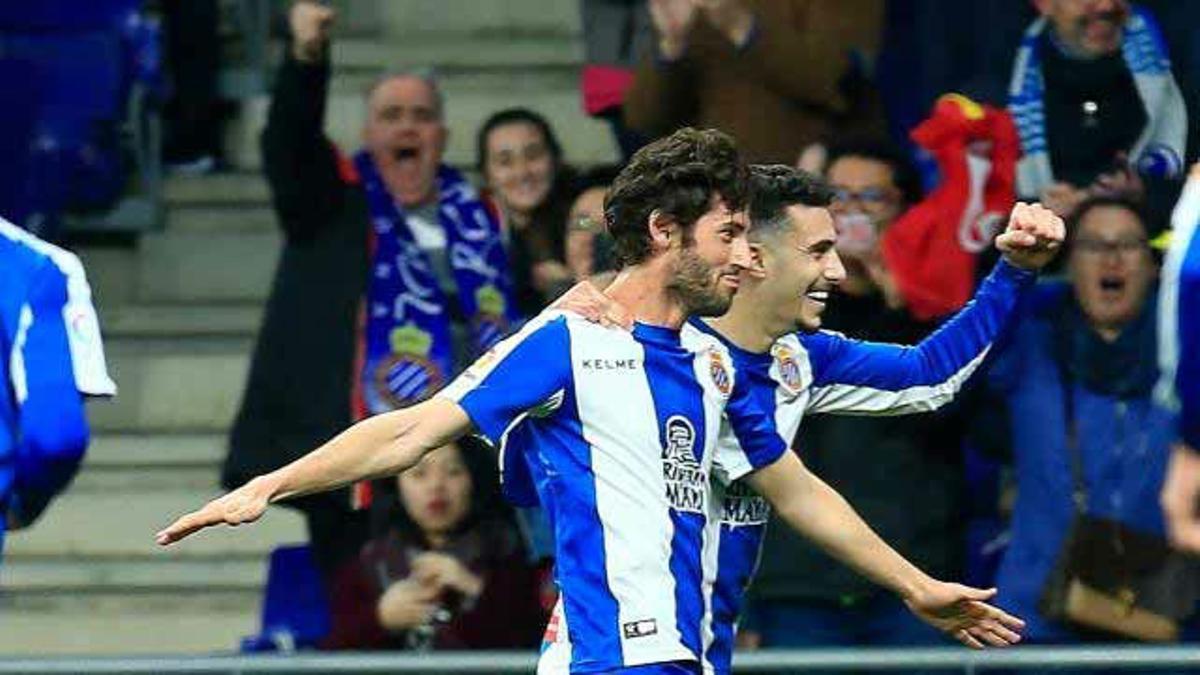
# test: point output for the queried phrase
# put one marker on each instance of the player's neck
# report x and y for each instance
(748, 325)
(642, 291)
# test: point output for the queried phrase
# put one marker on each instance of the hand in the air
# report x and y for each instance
(243, 505)
(310, 24)
(1033, 236)
(672, 20)
(963, 613)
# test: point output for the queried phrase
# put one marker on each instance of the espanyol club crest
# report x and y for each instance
(789, 370)
(719, 373)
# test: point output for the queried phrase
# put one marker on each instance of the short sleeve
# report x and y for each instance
(83, 335)
(749, 438)
(526, 372)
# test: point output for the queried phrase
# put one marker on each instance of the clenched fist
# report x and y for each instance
(1033, 236)
(310, 23)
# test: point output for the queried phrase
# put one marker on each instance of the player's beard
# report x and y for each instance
(696, 285)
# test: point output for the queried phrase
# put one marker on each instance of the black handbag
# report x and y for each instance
(1112, 578)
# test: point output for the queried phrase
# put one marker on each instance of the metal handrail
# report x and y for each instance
(766, 661)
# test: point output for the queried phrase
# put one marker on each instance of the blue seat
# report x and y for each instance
(65, 15)
(295, 611)
(71, 67)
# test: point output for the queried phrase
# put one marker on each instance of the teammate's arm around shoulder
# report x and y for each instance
(375, 447)
(814, 509)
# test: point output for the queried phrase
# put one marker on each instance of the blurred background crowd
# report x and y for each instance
(296, 215)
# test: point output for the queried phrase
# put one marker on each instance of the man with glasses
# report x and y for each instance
(1076, 378)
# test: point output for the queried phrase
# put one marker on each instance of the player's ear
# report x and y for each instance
(663, 229)
(758, 266)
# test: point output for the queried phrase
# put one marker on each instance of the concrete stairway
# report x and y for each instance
(179, 314)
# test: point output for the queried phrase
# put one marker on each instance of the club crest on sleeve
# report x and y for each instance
(790, 374)
(719, 373)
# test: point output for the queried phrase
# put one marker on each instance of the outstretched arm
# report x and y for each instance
(521, 372)
(379, 446)
(855, 377)
(818, 512)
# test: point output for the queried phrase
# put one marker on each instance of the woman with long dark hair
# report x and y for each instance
(531, 190)
(449, 569)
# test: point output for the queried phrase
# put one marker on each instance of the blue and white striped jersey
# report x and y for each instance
(1179, 317)
(825, 372)
(621, 428)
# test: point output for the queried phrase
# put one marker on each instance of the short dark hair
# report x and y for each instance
(904, 172)
(515, 116)
(676, 176)
(1075, 220)
(775, 187)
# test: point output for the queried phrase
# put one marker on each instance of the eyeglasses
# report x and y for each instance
(871, 195)
(1101, 247)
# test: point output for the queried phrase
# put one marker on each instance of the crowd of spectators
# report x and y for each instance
(396, 272)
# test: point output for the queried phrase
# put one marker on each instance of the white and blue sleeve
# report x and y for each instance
(527, 371)
(867, 378)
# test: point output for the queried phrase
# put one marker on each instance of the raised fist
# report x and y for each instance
(1033, 236)
(310, 23)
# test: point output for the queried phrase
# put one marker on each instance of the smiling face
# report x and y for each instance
(436, 493)
(406, 137)
(1087, 28)
(708, 260)
(518, 167)
(801, 267)
(1111, 267)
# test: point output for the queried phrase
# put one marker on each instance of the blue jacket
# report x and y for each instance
(1124, 445)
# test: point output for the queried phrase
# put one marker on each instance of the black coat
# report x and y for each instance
(298, 394)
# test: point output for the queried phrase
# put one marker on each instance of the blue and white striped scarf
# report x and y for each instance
(1160, 147)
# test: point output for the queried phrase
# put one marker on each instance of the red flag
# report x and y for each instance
(931, 250)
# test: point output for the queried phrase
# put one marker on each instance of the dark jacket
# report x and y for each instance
(902, 474)
(298, 394)
(508, 614)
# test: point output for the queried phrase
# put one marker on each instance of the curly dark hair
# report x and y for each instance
(676, 176)
(774, 187)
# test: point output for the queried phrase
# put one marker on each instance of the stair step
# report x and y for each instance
(129, 463)
(130, 575)
(112, 272)
(220, 189)
(162, 623)
(193, 266)
(206, 218)
(174, 384)
(82, 525)
(135, 451)
(403, 18)
(450, 52)
(182, 320)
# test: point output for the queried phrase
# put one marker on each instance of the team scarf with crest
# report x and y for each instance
(409, 350)
(1160, 148)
